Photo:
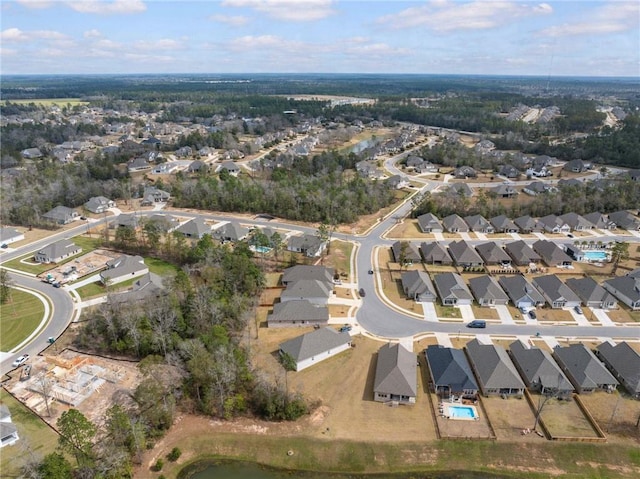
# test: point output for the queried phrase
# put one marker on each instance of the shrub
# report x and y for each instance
(158, 465)
(174, 454)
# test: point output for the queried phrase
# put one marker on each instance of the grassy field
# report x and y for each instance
(160, 267)
(49, 102)
(19, 318)
(34, 435)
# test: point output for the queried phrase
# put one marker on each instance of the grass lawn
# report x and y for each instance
(447, 311)
(91, 290)
(340, 257)
(33, 432)
(19, 318)
(160, 267)
(86, 243)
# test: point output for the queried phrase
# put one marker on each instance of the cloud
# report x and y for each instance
(235, 21)
(35, 4)
(615, 17)
(288, 10)
(162, 44)
(446, 15)
(107, 7)
(92, 34)
(17, 35)
(13, 35)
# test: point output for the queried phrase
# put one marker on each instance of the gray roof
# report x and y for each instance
(551, 286)
(477, 222)
(459, 189)
(454, 222)
(314, 343)
(624, 361)
(306, 288)
(589, 290)
(7, 429)
(231, 231)
(493, 367)
(4, 412)
(625, 220)
(429, 222)
(503, 223)
(300, 310)
(583, 367)
(527, 223)
(627, 285)
(435, 253)
(396, 371)
(598, 219)
(96, 202)
(59, 249)
(60, 213)
(9, 233)
(305, 242)
(163, 222)
(130, 220)
(195, 228)
(521, 252)
(451, 284)
(538, 367)
(463, 253)
(486, 287)
(418, 283)
(551, 253)
(411, 252)
(450, 367)
(575, 221)
(492, 253)
(518, 287)
(122, 266)
(551, 221)
(298, 272)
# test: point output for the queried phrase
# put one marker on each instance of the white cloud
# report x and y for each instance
(106, 44)
(288, 10)
(107, 7)
(144, 58)
(235, 21)
(13, 35)
(36, 4)
(614, 17)
(162, 44)
(17, 35)
(92, 34)
(445, 15)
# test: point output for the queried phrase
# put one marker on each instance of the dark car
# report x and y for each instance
(370, 271)
(345, 328)
(4, 245)
(477, 323)
(532, 314)
(578, 309)
(361, 293)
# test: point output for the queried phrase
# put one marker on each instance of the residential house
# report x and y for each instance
(8, 431)
(536, 188)
(552, 254)
(487, 291)
(231, 231)
(184, 151)
(626, 289)
(556, 293)
(148, 287)
(138, 164)
(123, 268)
(368, 169)
(309, 245)
(197, 166)
(56, 252)
(583, 369)
(429, 223)
(413, 161)
(99, 204)
(315, 291)
(297, 313)
(576, 222)
(494, 370)
(398, 182)
(396, 379)
(574, 252)
(450, 372)
(31, 153)
(455, 224)
(464, 255)
(130, 220)
(316, 346)
(571, 182)
(61, 215)
(298, 272)
(527, 224)
(554, 224)
(154, 195)
(457, 190)
(600, 221)
(10, 235)
(591, 293)
(509, 171)
(492, 254)
(435, 253)
(426, 167)
(405, 252)
(623, 362)
(576, 166)
(521, 253)
(452, 290)
(503, 224)
(521, 292)
(230, 167)
(539, 371)
(417, 285)
(465, 172)
(633, 175)
(505, 191)
(625, 220)
(194, 228)
(479, 224)
(162, 223)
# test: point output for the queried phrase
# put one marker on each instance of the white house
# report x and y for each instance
(316, 346)
(123, 268)
(56, 252)
(10, 235)
(8, 431)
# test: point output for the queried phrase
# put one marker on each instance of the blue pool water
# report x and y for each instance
(462, 412)
(262, 249)
(595, 256)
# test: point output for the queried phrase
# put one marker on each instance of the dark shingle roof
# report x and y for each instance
(396, 371)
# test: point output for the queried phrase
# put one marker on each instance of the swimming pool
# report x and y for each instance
(260, 249)
(596, 256)
(460, 412)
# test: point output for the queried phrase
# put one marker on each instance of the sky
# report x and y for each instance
(480, 37)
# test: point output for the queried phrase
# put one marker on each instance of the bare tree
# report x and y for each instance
(44, 386)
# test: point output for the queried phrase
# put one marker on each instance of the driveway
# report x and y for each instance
(504, 314)
(580, 319)
(429, 311)
(602, 316)
(466, 312)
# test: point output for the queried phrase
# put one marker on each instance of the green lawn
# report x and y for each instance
(87, 244)
(447, 311)
(91, 290)
(160, 267)
(39, 437)
(19, 318)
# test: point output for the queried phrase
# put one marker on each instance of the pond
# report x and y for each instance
(362, 145)
(244, 470)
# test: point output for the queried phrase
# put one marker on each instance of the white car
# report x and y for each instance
(20, 360)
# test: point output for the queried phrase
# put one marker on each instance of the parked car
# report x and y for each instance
(477, 323)
(4, 246)
(345, 328)
(20, 360)
(532, 314)
(370, 271)
(578, 309)
(361, 293)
